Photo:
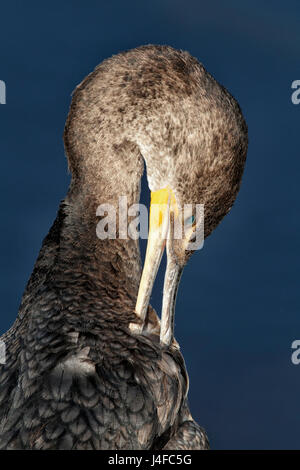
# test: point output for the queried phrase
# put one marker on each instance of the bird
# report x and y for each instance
(89, 363)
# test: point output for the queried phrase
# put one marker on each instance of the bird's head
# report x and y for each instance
(194, 175)
(191, 133)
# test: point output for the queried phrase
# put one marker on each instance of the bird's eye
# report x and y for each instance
(190, 221)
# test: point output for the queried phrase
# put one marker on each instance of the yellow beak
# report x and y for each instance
(158, 231)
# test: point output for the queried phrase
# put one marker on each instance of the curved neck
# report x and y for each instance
(106, 163)
(115, 261)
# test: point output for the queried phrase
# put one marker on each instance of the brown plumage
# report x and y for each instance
(77, 376)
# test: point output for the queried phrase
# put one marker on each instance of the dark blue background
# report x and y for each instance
(238, 305)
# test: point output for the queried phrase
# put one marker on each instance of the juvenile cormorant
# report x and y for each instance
(88, 365)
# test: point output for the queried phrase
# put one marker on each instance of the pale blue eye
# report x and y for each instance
(190, 220)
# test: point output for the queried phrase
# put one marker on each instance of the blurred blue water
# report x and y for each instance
(238, 305)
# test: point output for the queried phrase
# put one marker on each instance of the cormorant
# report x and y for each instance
(88, 364)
